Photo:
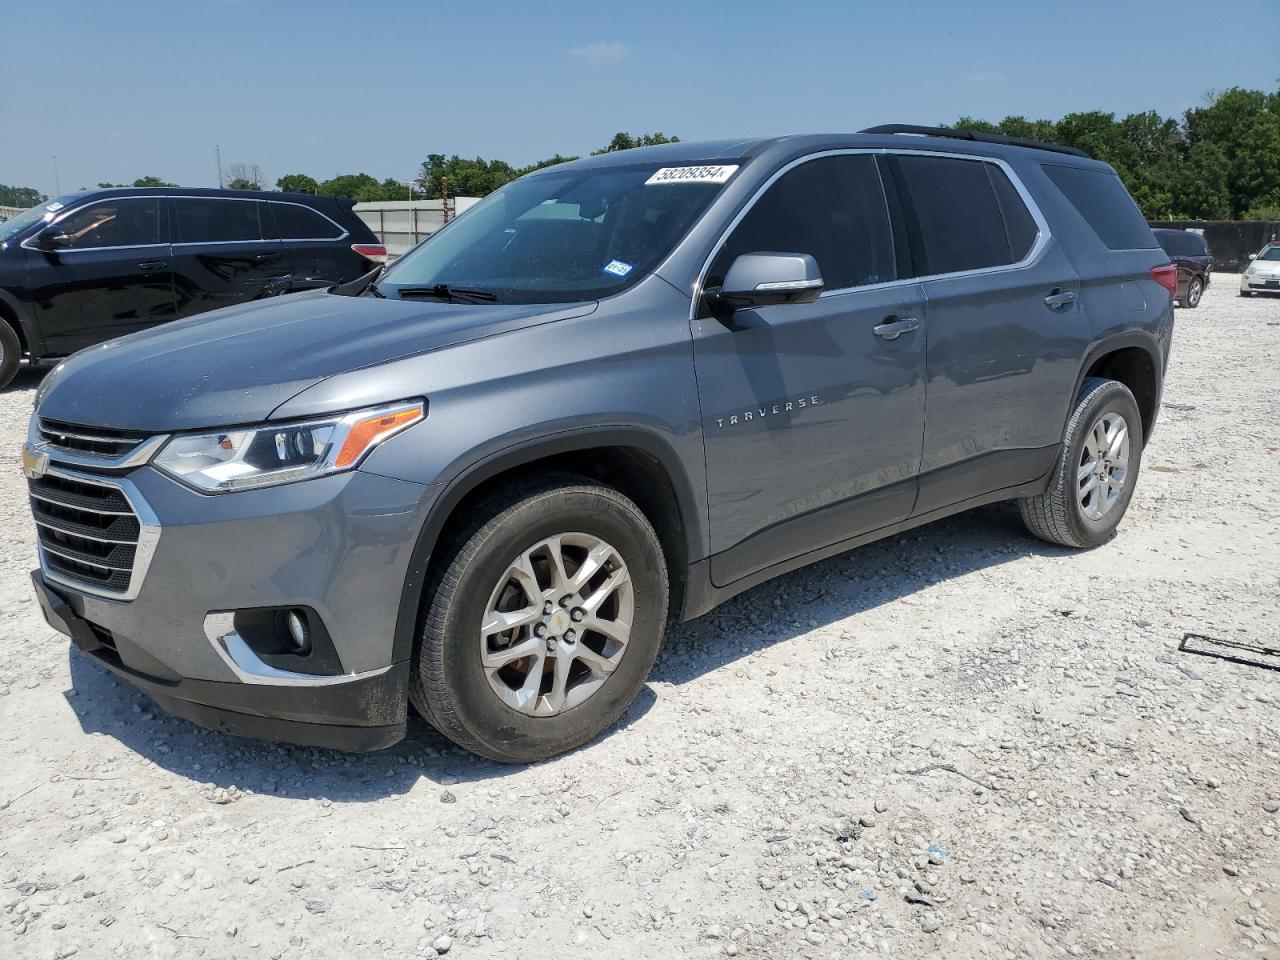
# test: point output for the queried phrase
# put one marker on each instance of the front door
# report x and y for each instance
(114, 278)
(221, 256)
(812, 418)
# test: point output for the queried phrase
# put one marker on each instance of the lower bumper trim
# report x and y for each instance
(365, 714)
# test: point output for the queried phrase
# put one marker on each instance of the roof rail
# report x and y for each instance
(976, 135)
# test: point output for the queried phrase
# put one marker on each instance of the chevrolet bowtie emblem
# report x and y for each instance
(34, 464)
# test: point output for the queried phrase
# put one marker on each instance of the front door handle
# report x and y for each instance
(153, 264)
(1057, 298)
(268, 258)
(892, 329)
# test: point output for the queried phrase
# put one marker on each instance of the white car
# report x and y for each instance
(1263, 273)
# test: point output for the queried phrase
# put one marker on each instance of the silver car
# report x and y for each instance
(1263, 273)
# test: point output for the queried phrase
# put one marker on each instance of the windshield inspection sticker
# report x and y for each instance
(717, 174)
(617, 268)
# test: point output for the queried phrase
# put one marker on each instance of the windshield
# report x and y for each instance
(1270, 253)
(563, 237)
(15, 225)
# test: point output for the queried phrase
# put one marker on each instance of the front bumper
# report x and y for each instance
(364, 714)
(338, 546)
(1259, 284)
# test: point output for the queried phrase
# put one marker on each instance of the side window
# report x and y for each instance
(114, 223)
(296, 222)
(1105, 204)
(832, 208)
(1018, 222)
(957, 216)
(213, 220)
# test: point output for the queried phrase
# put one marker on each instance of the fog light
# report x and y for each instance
(299, 635)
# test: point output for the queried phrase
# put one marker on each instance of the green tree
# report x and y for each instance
(628, 141)
(466, 178)
(1246, 125)
(297, 183)
(245, 176)
(347, 185)
(20, 196)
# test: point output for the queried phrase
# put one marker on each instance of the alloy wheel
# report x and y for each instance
(1104, 466)
(557, 624)
(1193, 294)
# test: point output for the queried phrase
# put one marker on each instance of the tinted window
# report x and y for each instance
(296, 222)
(832, 208)
(958, 218)
(1103, 201)
(1269, 253)
(114, 223)
(1018, 222)
(1179, 243)
(210, 220)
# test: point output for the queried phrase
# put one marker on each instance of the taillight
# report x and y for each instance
(375, 252)
(1167, 277)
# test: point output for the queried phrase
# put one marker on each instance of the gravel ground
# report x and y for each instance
(959, 740)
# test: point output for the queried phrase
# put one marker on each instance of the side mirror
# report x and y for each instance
(52, 238)
(761, 279)
(1253, 256)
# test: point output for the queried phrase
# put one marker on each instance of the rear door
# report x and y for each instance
(812, 420)
(318, 248)
(115, 278)
(1004, 335)
(221, 254)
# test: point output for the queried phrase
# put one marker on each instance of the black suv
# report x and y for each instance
(1190, 254)
(93, 266)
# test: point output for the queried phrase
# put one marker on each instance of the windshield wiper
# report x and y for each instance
(446, 292)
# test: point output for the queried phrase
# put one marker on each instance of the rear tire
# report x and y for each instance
(590, 623)
(1195, 291)
(10, 353)
(1097, 469)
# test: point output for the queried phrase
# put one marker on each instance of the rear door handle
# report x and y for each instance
(1057, 299)
(268, 258)
(153, 264)
(892, 329)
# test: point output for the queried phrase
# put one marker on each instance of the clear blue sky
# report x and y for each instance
(125, 88)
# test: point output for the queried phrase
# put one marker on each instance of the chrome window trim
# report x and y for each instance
(148, 538)
(1043, 235)
(248, 667)
(63, 214)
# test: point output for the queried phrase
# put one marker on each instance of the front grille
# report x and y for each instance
(95, 441)
(89, 532)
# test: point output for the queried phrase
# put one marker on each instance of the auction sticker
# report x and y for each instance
(716, 174)
(617, 268)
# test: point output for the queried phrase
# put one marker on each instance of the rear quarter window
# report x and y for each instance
(296, 222)
(1106, 206)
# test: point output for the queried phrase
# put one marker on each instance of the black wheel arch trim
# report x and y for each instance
(29, 330)
(1122, 341)
(465, 481)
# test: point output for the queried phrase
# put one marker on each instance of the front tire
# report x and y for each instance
(546, 616)
(10, 353)
(1097, 469)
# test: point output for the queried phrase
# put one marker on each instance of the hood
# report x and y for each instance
(237, 364)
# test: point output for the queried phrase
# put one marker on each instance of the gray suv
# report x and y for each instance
(617, 391)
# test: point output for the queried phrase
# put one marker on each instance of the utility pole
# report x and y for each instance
(217, 154)
(444, 200)
(57, 181)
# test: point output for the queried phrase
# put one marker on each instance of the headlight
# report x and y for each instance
(275, 453)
